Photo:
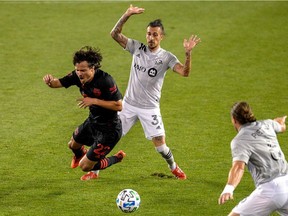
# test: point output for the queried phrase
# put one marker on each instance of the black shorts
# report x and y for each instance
(101, 138)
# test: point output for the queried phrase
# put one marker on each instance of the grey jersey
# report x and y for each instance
(256, 144)
(147, 73)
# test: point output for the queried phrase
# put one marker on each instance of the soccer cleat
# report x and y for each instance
(178, 173)
(88, 176)
(120, 155)
(75, 161)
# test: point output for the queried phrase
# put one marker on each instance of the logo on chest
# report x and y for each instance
(152, 72)
(97, 92)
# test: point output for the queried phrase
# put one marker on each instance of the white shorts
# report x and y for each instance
(151, 120)
(265, 199)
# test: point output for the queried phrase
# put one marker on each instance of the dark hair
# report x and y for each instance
(90, 54)
(242, 112)
(157, 23)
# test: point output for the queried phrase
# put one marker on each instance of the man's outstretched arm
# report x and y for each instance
(116, 32)
(51, 81)
(184, 69)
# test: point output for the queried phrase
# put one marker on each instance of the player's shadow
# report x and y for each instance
(161, 175)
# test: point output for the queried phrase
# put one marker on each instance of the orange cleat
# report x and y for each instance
(75, 161)
(120, 155)
(178, 173)
(88, 176)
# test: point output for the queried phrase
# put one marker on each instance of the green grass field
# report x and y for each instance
(242, 56)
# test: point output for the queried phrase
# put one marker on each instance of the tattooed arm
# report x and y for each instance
(116, 32)
(184, 69)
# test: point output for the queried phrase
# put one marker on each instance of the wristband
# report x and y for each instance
(228, 189)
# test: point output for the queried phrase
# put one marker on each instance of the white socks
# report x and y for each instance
(95, 171)
(166, 153)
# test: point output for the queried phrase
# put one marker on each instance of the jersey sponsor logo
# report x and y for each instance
(152, 72)
(139, 68)
(96, 92)
(143, 47)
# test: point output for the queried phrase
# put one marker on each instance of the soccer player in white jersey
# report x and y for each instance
(149, 65)
(256, 146)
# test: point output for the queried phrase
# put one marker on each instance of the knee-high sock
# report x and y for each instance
(166, 153)
(106, 162)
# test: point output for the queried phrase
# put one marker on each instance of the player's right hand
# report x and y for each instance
(134, 10)
(224, 197)
(47, 79)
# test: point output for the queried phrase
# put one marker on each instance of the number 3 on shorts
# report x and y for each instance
(155, 120)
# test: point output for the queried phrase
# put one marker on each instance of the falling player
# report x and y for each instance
(102, 129)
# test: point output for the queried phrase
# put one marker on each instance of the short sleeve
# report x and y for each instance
(111, 90)
(70, 79)
(132, 45)
(276, 126)
(240, 151)
(173, 60)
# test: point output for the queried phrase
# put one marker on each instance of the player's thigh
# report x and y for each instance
(152, 123)
(281, 196)
(83, 134)
(281, 201)
(128, 117)
(259, 202)
(283, 211)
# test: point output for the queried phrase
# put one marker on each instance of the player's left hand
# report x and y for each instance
(191, 43)
(85, 102)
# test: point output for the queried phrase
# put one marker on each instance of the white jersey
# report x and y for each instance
(147, 73)
(256, 144)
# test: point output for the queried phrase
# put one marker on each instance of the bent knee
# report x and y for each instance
(158, 141)
(72, 144)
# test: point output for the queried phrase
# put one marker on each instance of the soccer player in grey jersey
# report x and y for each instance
(256, 145)
(149, 65)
